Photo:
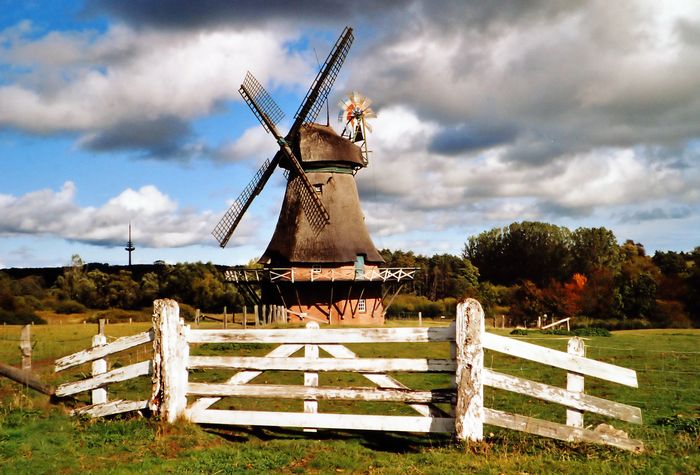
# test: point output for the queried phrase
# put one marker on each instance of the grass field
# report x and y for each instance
(38, 437)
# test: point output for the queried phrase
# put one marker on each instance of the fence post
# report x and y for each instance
(225, 319)
(256, 311)
(469, 409)
(99, 395)
(170, 356)
(25, 346)
(245, 316)
(311, 379)
(574, 383)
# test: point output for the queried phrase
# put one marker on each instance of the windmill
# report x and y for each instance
(321, 263)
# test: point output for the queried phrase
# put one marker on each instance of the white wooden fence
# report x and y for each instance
(101, 378)
(174, 396)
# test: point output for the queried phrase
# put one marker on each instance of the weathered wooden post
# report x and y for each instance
(245, 316)
(256, 311)
(25, 346)
(575, 382)
(170, 357)
(225, 318)
(311, 379)
(469, 408)
(197, 316)
(99, 366)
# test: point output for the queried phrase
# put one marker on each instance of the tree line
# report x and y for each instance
(524, 271)
(531, 269)
(79, 288)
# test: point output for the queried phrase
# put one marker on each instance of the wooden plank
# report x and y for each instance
(26, 378)
(360, 365)
(560, 359)
(243, 377)
(288, 391)
(111, 408)
(120, 374)
(325, 421)
(469, 407)
(325, 336)
(557, 431)
(381, 380)
(580, 401)
(120, 344)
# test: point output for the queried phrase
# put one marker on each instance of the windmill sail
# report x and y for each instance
(311, 203)
(223, 231)
(318, 92)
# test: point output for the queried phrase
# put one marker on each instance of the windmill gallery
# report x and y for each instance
(321, 263)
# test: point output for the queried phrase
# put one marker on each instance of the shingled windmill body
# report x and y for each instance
(321, 263)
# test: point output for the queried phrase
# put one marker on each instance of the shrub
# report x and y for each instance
(671, 314)
(520, 331)
(591, 331)
(69, 306)
(556, 331)
(186, 311)
(21, 317)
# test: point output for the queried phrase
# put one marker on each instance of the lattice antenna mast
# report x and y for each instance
(129, 245)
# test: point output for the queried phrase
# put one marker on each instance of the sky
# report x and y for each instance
(573, 113)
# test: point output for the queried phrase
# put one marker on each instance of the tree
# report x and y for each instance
(600, 297)
(593, 248)
(529, 250)
(638, 281)
(528, 303)
(564, 300)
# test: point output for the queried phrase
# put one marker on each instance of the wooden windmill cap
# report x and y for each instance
(321, 144)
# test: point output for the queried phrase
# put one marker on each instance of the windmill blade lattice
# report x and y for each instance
(318, 92)
(253, 92)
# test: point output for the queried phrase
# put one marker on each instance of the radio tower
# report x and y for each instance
(129, 245)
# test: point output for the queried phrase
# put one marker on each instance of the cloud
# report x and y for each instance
(183, 14)
(158, 221)
(409, 185)
(160, 138)
(655, 214)
(124, 89)
(254, 144)
(471, 137)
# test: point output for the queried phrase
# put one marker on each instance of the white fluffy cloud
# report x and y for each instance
(158, 221)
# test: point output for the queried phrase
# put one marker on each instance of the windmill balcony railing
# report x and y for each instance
(292, 274)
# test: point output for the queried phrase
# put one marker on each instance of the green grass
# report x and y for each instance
(37, 437)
